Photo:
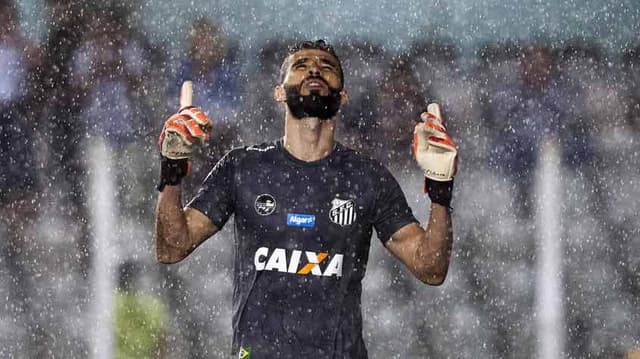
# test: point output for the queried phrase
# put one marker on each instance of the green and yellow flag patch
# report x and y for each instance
(244, 353)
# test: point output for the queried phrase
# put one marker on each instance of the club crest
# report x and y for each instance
(343, 212)
(265, 204)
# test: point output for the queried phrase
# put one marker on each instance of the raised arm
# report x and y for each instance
(427, 251)
(180, 230)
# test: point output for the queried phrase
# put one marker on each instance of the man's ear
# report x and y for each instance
(344, 97)
(279, 94)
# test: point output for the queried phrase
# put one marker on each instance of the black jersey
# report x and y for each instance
(302, 236)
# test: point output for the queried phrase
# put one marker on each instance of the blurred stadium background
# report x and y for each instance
(85, 88)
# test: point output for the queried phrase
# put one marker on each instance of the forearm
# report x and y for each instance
(179, 231)
(172, 234)
(436, 154)
(434, 251)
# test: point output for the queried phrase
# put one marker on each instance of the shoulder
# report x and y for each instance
(360, 160)
(240, 154)
(377, 175)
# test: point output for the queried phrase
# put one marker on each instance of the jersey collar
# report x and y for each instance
(332, 157)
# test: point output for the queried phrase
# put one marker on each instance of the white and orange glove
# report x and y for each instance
(180, 132)
(436, 154)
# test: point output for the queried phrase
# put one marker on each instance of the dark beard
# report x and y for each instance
(313, 105)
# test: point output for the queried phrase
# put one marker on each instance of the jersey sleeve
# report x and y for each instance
(215, 198)
(392, 211)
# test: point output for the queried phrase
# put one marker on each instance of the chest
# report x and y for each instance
(322, 203)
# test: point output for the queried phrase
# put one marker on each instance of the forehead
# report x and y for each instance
(314, 54)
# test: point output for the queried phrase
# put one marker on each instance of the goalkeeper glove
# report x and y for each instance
(436, 154)
(190, 125)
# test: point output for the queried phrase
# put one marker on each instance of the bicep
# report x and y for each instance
(200, 227)
(404, 243)
(425, 252)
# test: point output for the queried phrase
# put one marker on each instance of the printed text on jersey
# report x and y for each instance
(292, 261)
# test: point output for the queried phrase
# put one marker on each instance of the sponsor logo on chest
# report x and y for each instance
(292, 261)
(301, 220)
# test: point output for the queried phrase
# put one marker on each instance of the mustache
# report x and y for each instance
(314, 78)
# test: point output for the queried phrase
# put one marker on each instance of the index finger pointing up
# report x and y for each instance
(186, 94)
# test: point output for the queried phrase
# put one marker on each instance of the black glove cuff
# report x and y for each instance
(172, 171)
(439, 192)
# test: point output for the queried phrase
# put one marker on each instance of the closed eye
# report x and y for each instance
(328, 64)
(300, 63)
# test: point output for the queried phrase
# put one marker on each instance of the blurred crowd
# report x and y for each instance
(97, 76)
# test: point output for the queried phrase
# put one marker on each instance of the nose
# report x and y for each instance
(314, 70)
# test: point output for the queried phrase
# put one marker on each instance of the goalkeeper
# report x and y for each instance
(305, 207)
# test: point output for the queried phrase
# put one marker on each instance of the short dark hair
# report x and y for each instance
(310, 45)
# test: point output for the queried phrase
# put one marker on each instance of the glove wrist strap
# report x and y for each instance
(439, 192)
(172, 171)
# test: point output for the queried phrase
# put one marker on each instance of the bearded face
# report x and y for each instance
(313, 84)
(315, 104)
